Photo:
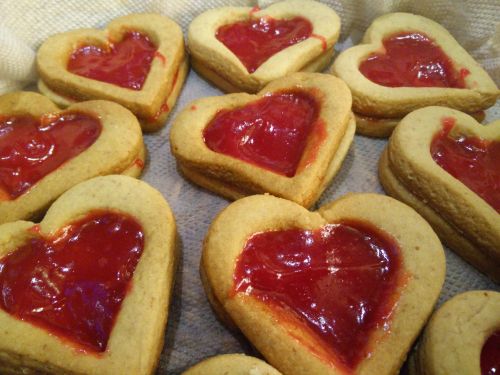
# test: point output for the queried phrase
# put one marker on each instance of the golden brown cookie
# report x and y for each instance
(46, 151)
(243, 49)
(301, 285)
(101, 265)
(148, 85)
(462, 337)
(406, 62)
(289, 140)
(234, 364)
(462, 209)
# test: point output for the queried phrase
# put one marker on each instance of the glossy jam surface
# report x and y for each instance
(490, 355)
(73, 284)
(125, 63)
(411, 60)
(255, 41)
(271, 133)
(473, 161)
(339, 281)
(31, 148)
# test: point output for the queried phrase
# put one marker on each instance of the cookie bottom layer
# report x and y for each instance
(227, 86)
(232, 190)
(379, 127)
(147, 125)
(136, 168)
(446, 232)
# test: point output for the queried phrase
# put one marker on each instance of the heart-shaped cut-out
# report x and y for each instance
(326, 292)
(241, 144)
(473, 349)
(74, 286)
(44, 152)
(428, 148)
(138, 61)
(243, 49)
(406, 62)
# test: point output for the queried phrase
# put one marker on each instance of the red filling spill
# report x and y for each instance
(411, 60)
(490, 355)
(255, 41)
(271, 133)
(125, 64)
(471, 160)
(73, 284)
(31, 148)
(339, 281)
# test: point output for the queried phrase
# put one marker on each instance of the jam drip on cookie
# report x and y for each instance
(31, 148)
(412, 59)
(471, 160)
(73, 284)
(490, 355)
(271, 133)
(340, 281)
(125, 63)
(255, 41)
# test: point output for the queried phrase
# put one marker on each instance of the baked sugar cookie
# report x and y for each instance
(406, 62)
(345, 289)
(243, 49)
(138, 61)
(234, 364)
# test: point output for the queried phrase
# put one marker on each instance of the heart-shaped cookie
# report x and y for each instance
(472, 349)
(138, 61)
(234, 364)
(445, 165)
(406, 62)
(289, 140)
(44, 152)
(87, 290)
(243, 49)
(345, 289)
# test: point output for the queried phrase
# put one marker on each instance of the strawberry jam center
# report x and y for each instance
(339, 281)
(471, 160)
(31, 148)
(411, 59)
(255, 41)
(73, 284)
(490, 355)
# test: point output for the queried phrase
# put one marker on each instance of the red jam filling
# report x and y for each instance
(490, 355)
(471, 160)
(31, 148)
(125, 63)
(255, 41)
(73, 284)
(339, 281)
(411, 60)
(271, 133)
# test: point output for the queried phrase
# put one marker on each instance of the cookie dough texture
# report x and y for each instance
(232, 364)
(462, 219)
(234, 178)
(389, 103)
(213, 60)
(136, 340)
(423, 264)
(116, 149)
(159, 93)
(453, 339)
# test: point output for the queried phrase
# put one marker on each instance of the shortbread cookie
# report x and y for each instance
(445, 165)
(462, 337)
(232, 364)
(45, 151)
(89, 64)
(87, 290)
(345, 289)
(243, 49)
(289, 140)
(406, 62)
